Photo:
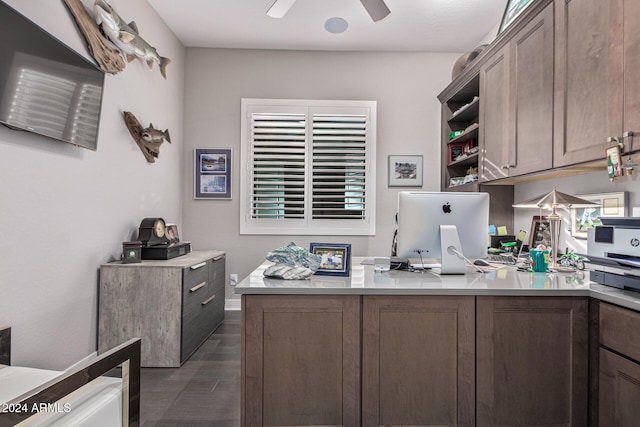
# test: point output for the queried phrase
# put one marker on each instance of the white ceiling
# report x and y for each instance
(412, 25)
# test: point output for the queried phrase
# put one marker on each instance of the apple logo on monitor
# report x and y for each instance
(446, 208)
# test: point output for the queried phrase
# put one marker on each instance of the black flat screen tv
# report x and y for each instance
(45, 86)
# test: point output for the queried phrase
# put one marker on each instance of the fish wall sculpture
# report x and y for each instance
(148, 139)
(126, 37)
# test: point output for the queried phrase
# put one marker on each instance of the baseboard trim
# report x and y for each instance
(232, 304)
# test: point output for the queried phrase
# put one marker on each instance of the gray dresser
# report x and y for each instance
(173, 305)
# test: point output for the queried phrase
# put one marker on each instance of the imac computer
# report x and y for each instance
(443, 226)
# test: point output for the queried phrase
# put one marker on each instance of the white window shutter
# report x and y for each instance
(339, 166)
(278, 166)
(309, 167)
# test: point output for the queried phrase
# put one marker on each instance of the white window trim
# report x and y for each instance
(307, 226)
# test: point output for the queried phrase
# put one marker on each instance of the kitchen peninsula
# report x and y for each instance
(407, 348)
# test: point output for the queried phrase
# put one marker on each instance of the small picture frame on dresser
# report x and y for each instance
(336, 258)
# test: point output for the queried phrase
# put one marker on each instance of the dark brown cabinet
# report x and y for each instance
(597, 95)
(418, 361)
(300, 360)
(517, 103)
(379, 360)
(554, 90)
(589, 79)
(530, 135)
(494, 116)
(631, 67)
(619, 367)
(532, 365)
(619, 391)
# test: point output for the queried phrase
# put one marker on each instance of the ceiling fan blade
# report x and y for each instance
(377, 9)
(280, 8)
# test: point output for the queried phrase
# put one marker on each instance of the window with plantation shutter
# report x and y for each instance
(307, 167)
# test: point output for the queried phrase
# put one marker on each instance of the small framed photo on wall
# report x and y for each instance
(405, 171)
(212, 173)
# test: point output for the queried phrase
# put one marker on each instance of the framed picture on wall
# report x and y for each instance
(405, 171)
(212, 173)
(512, 11)
(611, 205)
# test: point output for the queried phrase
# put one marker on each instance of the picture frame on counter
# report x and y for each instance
(405, 171)
(612, 204)
(336, 258)
(212, 173)
(540, 232)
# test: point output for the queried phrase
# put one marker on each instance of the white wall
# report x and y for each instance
(66, 210)
(405, 85)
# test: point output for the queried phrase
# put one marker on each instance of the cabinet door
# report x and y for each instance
(531, 361)
(300, 360)
(418, 361)
(589, 64)
(494, 116)
(631, 67)
(531, 148)
(619, 391)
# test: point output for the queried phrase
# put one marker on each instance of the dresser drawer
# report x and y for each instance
(620, 330)
(195, 286)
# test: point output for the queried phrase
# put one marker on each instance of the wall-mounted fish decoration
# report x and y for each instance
(148, 139)
(126, 37)
(151, 134)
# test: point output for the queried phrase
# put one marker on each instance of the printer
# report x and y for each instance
(613, 250)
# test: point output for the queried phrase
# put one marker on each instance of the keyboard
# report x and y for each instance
(501, 258)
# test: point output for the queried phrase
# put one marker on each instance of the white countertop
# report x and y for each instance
(502, 282)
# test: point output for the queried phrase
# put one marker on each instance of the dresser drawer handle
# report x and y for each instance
(197, 266)
(218, 257)
(196, 287)
(208, 300)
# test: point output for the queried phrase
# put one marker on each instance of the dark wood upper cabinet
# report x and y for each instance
(554, 89)
(589, 78)
(516, 92)
(494, 116)
(631, 67)
(530, 137)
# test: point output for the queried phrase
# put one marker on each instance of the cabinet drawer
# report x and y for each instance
(199, 322)
(195, 286)
(620, 330)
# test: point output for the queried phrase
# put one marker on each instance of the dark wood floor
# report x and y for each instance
(204, 391)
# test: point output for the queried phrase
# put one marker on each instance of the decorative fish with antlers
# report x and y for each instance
(126, 37)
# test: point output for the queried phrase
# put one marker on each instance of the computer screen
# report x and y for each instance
(423, 217)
